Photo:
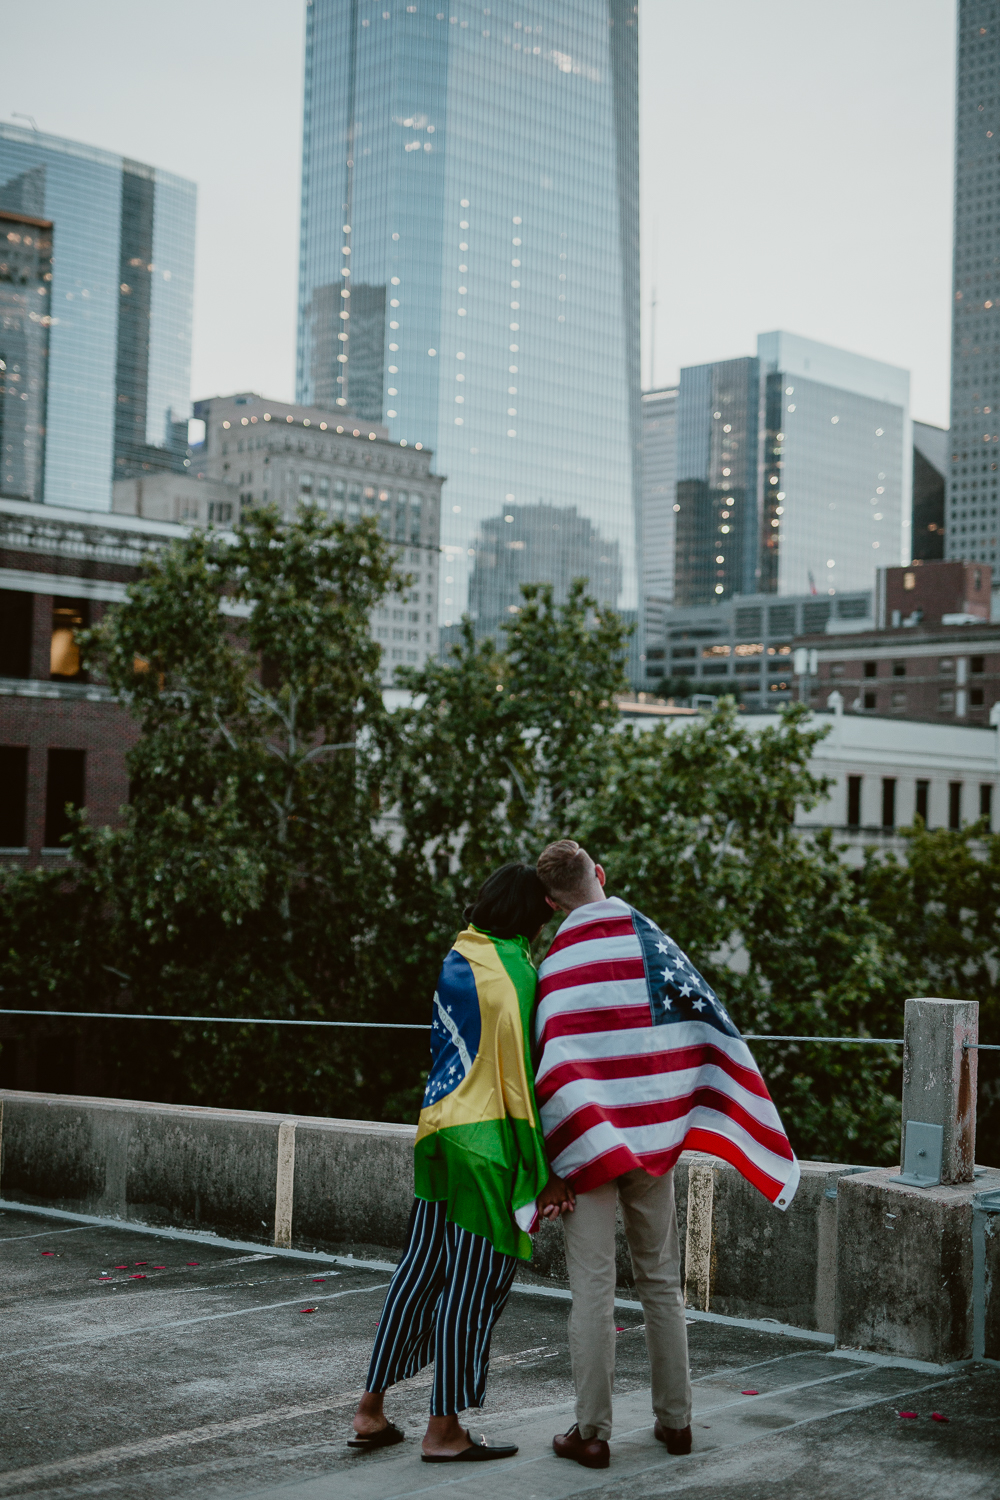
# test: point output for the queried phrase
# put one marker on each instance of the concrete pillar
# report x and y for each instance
(939, 1078)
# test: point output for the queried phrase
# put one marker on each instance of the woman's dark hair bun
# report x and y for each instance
(511, 903)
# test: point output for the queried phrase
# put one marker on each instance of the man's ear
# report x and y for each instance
(554, 904)
(599, 872)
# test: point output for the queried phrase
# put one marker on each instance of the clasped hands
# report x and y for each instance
(556, 1198)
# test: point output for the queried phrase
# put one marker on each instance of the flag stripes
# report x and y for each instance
(639, 1060)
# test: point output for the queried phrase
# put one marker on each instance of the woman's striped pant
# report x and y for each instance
(443, 1301)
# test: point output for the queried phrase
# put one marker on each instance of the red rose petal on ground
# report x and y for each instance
(121, 1268)
(307, 1309)
(48, 1252)
(142, 1262)
(937, 1416)
(907, 1413)
(619, 1328)
(319, 1280)
(193, 1263)
(159, 1268)
(749, 1393)
(138, 1276)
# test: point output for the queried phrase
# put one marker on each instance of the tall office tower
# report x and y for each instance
(794, 472)
(25, 287)
(717, 502)
(971, 522)
(837, 471)
(120, 306)
(659, 479)
(931, 447)
(469, 271)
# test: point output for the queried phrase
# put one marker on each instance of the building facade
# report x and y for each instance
(745, 645)
(62, 736)
(469, 267)
(717, 504)
(272, 452)
(935, 674)
(972, 521)
(794, 472)
(931, 446)
(119, 304)
(25, 291)
(659, 521)
(837, 466)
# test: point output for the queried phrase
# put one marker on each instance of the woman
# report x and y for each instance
(480, 1167)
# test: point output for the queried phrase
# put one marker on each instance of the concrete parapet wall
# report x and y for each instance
(836, 1262)
(346, 1185)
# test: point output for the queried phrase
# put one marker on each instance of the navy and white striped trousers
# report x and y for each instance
(444, 1299)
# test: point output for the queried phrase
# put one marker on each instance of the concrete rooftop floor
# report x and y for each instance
(210, 1380)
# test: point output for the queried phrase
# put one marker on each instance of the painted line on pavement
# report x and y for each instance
(239, 1312)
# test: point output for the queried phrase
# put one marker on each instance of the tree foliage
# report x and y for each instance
(293, 850)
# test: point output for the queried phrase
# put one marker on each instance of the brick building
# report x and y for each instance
(62, 736)
(933, 656)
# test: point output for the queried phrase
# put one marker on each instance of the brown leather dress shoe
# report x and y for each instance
(593, 1453)
(677, 1439)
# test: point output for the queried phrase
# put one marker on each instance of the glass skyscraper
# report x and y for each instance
(794, 472)
(25, 290)
(119, 361)
(971, 521)
(469, 273)
(659, 519)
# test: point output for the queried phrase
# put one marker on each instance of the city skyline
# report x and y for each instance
(833, 259)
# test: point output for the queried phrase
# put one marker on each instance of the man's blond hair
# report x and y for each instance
(564, 868)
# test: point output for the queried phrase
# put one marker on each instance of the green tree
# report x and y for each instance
(941, 902)
(246, 876)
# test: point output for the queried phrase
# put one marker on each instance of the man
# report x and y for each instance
(637, 1061)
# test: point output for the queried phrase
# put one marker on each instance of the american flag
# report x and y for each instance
(639, 1061)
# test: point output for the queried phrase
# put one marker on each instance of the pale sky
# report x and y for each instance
(796, 163)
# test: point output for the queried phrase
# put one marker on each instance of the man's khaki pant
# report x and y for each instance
(651, 1229)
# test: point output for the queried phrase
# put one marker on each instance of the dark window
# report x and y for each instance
(986, 801)
(888, 802)
(869, 700)
(15, 633)
(871, 668)
(898, 669)
(923, 789)
(64, 784)
(976, 698)
(954, 804)
(654, 671)
(977, 664)
(13, 794)
(68, 616)
(655, 653)
(853, 801)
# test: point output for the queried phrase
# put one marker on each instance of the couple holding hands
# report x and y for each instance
(560, 1094)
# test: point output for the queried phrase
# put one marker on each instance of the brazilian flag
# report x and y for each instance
(479, 1144)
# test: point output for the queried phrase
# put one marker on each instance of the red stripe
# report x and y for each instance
(720, 1145)
(586, 932)
(647, 1064)
(597, 1018)
(605, 972)
(659, 1112)
(620, 1159)
(615, 1163)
